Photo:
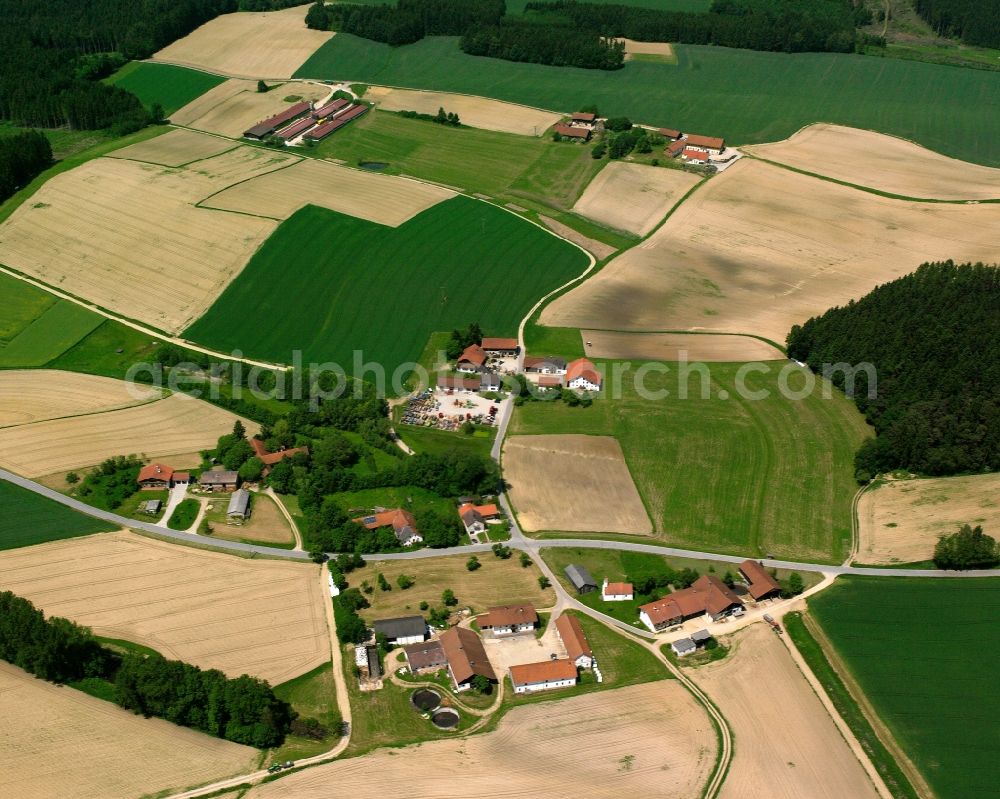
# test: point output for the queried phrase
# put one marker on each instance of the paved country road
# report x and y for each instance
(518, 541)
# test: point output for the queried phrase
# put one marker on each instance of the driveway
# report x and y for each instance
(177, 494)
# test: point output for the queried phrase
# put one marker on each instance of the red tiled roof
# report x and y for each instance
(572, 133)
(618, 589)
(259, 447)
(454, 382)
(581, 116)
(546, 671)
(581, 367)
(482, 510)
(397, 518)
(331, 108)
(760, 582)
(271, 458)
(707, 594)
(508, 616)
(297, 127)
(182, 477)
(694, 155)
(466, 654)
(573, 637)
(550, 381)
(473, 354)
(670, 133)
(711, 142)
(675, 147)
(500, 344)
(155, 471)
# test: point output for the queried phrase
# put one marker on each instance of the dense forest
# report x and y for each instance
(409, 20)
(22, 156)
(934, 339)
(53, 54)
(973, 21)
(244, 710)
(555, 45)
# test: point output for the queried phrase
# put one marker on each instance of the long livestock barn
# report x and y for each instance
(264, 129)
(303, 120)
(324, 129)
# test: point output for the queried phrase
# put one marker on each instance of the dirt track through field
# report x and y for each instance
(882, 162)
(901, 521)
(234, 106)
(633, 197)
(476, 112)
(127, 237)
(248, 44)
(34, 395)
(259, 617)
(385, 199)
(785, 740)
(672, 346)
(663, 49)
(645, 740)
(57, 741)
(175, 148)
(573, 483)
(172, 426)
(760, 248)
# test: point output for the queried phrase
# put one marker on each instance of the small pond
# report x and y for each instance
(373, 166)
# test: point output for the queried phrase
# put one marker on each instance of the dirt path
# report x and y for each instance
(288, 517)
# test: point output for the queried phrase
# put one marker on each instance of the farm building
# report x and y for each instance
(701, 637)
(152, 506)
(709, 144)
(675, 148)
(575, 640)
(265, 128)
(403, 630)
(544, 676)
(548, 365)
(324, 129)
(219, 481)
(182, 478)
(694, 156)
(707, 596)
(466, 657)
(683, 646)
(331, 108)
(580, 578)
(760, 584)
(617, 592)
(583, 119)
(490, 381)
(582, 375)
(374, 664)
(239, 506)
(401, 521)
(550, 381)
(670, 133)
(509, 619)
(448, 383)
(472, 359)
(474, 516)
(155, 476)
(500, 346)
(425, 656)
(270, 458)
(297, 128)
(569, 132)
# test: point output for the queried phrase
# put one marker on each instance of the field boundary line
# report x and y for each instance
(858, 696)
(765, 340)
(85, 414)
(856, 522)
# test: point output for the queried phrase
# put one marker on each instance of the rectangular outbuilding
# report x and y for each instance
(403, 630)
(543, 676)
(580, 578)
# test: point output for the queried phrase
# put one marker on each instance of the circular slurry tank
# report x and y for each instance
(445, 718)
(424, 699)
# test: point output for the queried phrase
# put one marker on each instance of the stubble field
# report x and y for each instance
(718, 348)
(176, 148)
(476, 112)
(61, 742)
(633, 197)
(573, 483)
(760, 248)
(643, 740)
(785, 738)
(259, 617)
(901, 520)
(175, 425)
(881, 162)
(248, 44)
(33, 395)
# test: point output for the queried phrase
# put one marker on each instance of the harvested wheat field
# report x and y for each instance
(645, 740)
(760, 248)
(232, 107)
(573, 483)
(126, 235)
(901, 520)
(34, 395)
(663, 51)
(476, 112)
(57, 741)
(882, 162)
(496, 582)
(634, 197)
(176, 148)
(176, 425)
(265, 618)
(255, 45)
(385, 199)
(714, 348)
(785, 739)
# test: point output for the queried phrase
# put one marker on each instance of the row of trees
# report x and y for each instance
(973, 21)
(932, 339)
(554, 45)
(22, 156)
(969, 548)
(244, 710)
(408, 21)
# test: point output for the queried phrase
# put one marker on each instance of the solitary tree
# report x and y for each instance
(543, 581)
(448, 597)
(239, 431)
(404, 581)
(969, 548)
(72, 478)
(262, 87)
(472, 563)
(525, 560)
(481, 684)
(383, 584)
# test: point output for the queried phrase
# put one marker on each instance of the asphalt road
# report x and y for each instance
(518, 541)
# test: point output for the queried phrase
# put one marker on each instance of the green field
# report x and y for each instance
(729, 475)
(438, 442)
(172, 87)
(745, 96)
(382, 291)
(926, 654)
(313, 696)
(61, 325)
(97, 353)
(184, 514)
(27, 518)
(22, 304)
